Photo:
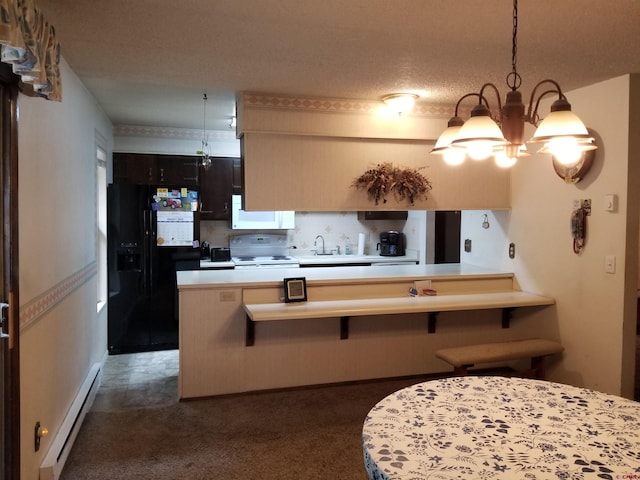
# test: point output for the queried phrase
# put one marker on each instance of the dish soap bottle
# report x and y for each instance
(347, 247)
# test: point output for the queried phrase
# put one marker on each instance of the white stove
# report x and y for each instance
(261, 251)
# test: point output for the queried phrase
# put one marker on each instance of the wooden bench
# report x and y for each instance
(462, 358)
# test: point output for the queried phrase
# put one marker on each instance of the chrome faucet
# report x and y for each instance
(315, 243)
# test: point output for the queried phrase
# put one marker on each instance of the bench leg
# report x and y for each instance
(461, 371)
(537, 366)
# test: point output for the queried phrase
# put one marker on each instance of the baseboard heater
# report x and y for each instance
(56, 457)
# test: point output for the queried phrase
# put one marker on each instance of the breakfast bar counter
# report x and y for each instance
(237, 334)
(191, 279)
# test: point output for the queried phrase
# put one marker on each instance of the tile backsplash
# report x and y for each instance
(335, 228)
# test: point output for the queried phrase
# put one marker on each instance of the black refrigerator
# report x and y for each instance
(152, 233)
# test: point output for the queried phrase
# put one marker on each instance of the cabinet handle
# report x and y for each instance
(226, 206)
(162, 174)
(195, 179)
(150, 172)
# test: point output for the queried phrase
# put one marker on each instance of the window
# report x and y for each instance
(101, 219)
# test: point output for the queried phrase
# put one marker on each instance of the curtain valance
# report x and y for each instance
(29, 44)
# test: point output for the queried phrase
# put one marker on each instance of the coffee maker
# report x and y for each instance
(392, 244)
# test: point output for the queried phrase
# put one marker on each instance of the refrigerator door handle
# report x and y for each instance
(152, 251)
(147, 251)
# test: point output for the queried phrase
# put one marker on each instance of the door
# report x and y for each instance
(447, 236)
(9, 338)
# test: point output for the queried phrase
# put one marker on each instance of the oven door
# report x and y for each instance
(267, 265)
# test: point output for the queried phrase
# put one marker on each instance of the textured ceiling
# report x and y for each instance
(149, 61)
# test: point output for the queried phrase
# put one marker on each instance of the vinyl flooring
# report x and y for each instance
(138, 380)
(150, 379)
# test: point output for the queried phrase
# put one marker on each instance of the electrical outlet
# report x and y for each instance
(512, 250)
(228, 296)
(467, 245)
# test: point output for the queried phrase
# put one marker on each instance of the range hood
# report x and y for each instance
(269, 220)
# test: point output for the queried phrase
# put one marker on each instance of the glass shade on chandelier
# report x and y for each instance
(564, 135)
(451, 155)
(507, 156)
(479, 135)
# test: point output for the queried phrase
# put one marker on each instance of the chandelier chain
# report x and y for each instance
(513, 79)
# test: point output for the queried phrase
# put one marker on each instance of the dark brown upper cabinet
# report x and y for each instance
(217, 183)
(150, 169)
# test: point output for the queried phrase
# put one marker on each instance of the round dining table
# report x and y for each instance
(491, 427)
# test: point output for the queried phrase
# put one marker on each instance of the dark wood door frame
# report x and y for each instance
(11, 354)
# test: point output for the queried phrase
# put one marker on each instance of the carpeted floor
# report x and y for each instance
(312, 433)
(144, 433)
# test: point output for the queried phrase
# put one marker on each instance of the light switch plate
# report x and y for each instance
(610, 203)
(610, 264)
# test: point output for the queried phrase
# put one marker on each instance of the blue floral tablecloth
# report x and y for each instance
(501, 428)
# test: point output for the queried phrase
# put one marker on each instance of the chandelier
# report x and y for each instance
(562, 133)
(205, 152)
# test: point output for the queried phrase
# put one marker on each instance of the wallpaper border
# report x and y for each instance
(312, 104)
(34, 309)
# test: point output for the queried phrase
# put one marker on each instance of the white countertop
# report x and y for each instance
(364, 274)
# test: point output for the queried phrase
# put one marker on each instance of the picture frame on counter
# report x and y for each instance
(295, 289)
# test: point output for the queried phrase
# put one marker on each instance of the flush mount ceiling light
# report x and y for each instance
(205, 152)
(400, 102)
(562, 133)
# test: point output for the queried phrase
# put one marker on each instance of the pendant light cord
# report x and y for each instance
(206, 161)
(204, 115)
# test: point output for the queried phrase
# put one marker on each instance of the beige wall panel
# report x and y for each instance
(592, 323)
(214, 358)
(307, 173)
(212, 338)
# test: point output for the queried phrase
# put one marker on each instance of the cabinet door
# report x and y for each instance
(216, 187)
(178, 170)
(136, 168)
(238, 176)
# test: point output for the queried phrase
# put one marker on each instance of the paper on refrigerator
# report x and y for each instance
(174, 229)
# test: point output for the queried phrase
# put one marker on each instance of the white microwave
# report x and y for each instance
(243, 220)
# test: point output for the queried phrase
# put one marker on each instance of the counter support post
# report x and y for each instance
(431, 322)
(250, 332)
(507, 313)
(344, 328)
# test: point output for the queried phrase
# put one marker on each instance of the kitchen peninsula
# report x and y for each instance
(228, 344)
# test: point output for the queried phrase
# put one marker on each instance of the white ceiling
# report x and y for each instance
(148, 62)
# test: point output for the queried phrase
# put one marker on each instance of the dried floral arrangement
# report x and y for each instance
(385, 179)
